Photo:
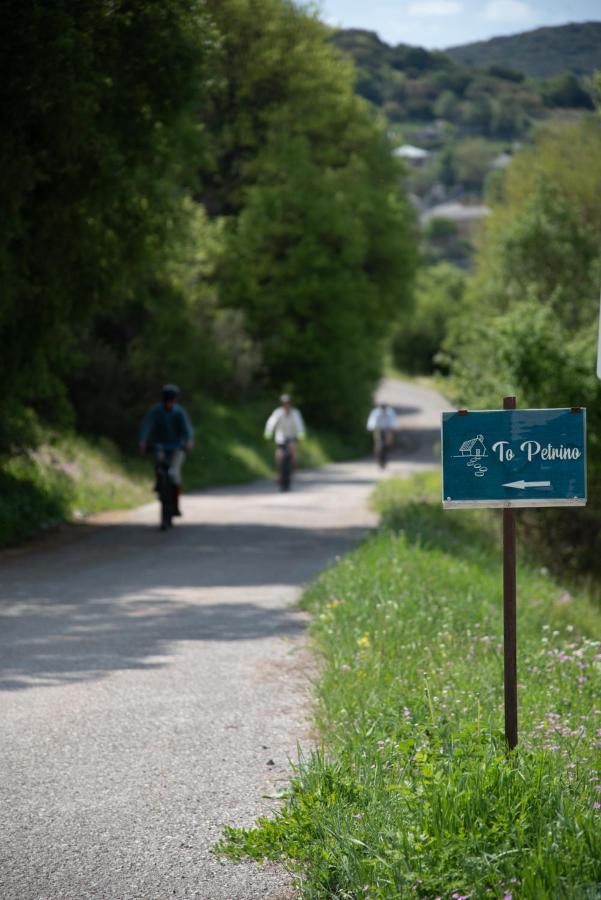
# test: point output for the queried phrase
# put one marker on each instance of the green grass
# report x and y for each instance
(412, 793)
(70, 477)
(65, 477)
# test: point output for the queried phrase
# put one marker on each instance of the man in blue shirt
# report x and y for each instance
(167, 429)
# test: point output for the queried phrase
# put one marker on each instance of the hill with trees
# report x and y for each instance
(411, 84)
(456, 126)
(541, 53)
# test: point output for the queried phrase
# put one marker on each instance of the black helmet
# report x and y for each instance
(170, 392)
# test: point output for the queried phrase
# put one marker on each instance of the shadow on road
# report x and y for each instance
(102, 637)
(122, 600)
(406, 410)
(118, 596)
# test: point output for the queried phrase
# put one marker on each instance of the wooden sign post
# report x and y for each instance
(512, 458)
(510, 668)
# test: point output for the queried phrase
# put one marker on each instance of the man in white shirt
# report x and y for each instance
(287, 426)
(382, 422)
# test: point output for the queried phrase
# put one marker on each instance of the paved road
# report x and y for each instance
(153, 686)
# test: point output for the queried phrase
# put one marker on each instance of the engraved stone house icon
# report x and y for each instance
(473, 447)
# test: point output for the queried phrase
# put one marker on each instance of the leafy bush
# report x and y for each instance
(64, 476)
(29, 501)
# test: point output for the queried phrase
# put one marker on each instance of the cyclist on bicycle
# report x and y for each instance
(287, 426)
(382, 422)
(167, 429)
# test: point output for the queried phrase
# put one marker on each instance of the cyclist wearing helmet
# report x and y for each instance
(167, 429)
(287, 426)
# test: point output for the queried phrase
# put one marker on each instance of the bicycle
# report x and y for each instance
(285, 466)
(383, 446)
(165, 487)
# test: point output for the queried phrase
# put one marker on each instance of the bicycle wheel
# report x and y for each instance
(285, 472)
(165, 496)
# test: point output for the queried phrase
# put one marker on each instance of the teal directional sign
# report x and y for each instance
(514, 457)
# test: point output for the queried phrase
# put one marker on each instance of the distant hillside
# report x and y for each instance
(455, 124)
(411, 84)
(541, 53)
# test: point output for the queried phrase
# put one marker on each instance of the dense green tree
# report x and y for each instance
(319, 251)
(438, 293)
(543, 237)
(529, 323)
(472, 158)
(96, 110)
(124, 122)
(173, 328)
(565, 90)
(508, 118)
(445, 106)
(367, 86)
(477, 111)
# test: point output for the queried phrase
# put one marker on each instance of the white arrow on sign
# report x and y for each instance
(521, 485)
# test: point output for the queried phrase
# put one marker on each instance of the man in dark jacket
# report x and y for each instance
(167, 429)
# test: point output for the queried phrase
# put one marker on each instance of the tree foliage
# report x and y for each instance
(529, 323)
(99, 106)
(319, 257)
(192, 192)
(421, 331)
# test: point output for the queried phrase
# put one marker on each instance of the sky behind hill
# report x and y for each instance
(446, 23)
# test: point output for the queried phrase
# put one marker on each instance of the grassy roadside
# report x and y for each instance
(68, 477)
(65, 477)
(412, 793)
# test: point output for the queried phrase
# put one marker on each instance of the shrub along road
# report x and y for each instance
(153, 686)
